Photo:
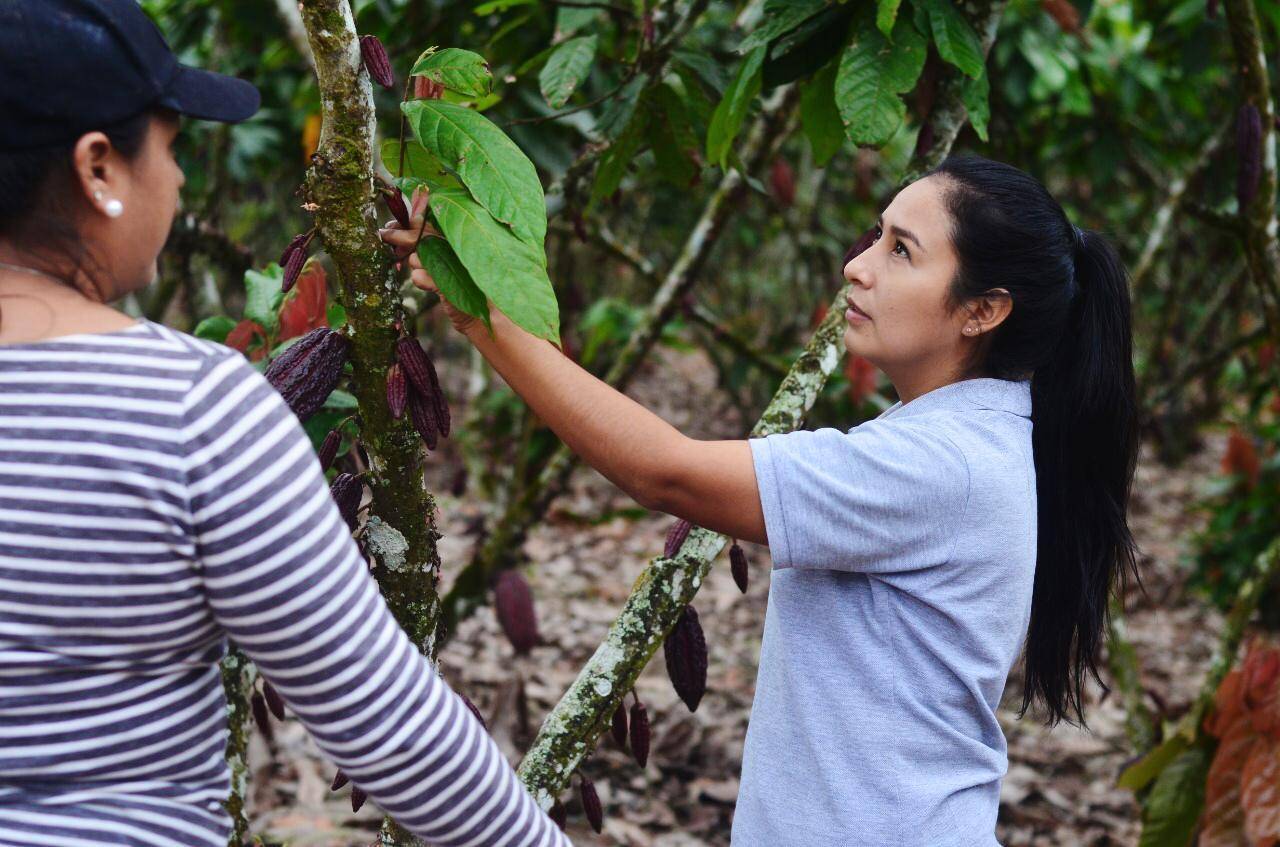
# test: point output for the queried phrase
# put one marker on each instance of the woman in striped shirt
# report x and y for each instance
(157, 496)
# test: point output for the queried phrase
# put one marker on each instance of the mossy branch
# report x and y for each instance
(667, 585)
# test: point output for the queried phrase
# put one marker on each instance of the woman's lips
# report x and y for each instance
(854, 314)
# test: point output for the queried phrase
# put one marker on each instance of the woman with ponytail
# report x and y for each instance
(916, 553)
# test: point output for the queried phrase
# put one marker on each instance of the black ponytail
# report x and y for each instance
(1070, 330)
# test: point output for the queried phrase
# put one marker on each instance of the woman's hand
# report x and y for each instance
(405, 239)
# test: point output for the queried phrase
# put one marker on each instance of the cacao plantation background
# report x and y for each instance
(667, 189)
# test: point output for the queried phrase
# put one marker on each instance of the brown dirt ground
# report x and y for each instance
(1060, 787)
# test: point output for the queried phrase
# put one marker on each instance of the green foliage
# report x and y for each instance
(460, 71)
(819, 116)
(452, 278)
(1170, 812)
(872, 76)
(566, 68)
(493, 169)
(509, 270)
(780, 16)
(956, 41)
(728, 117)
(263, 297)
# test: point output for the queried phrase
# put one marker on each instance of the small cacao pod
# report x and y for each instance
(466, 701)
(513, 601)
(590, 803)
(293, 269)
(376, 61)
(329, 449)
(298, 242)
(782, 183)
(620, 726)
(686, 653)
(640, 733)
(421, 373)
(559, 815)
(1248, 154)
(675, 537)
(347, 490)
(274, 701)
(258, 705)
(423, 415)
(309, 369)
(339, 780)
(395, 202)
(397, 391)
(358, 796)
(738, 566)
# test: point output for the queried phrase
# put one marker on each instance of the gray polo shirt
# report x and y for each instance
(903, 556)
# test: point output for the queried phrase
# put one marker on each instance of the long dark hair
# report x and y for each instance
(1069, 329)
(37, 187)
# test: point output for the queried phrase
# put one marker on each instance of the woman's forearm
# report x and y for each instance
(617, 436)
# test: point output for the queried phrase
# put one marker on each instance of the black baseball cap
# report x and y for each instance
(68, 67)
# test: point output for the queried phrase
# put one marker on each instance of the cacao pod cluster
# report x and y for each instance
(513, 601)
(376, 61)
(1248, 154)
(417, 386)
(635, 729)
(358, 796)
(309, 369)
(685, 650)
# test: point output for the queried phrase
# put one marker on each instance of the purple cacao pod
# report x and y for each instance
(328, 451)
(590, 803)
(686, 653)
(358, 796)
(339, 780)
(619, 727)
(738, 566)
(675, 537)
(1248, 154)
(308, 371)
(274, 701)
(513, 602)
(395, 203)
(376, 61)
(423, 415)
(298, 242)
(347, 491)
(293, 269)
(559, 815)
(640, 733)
(397, 391)
(421, 373)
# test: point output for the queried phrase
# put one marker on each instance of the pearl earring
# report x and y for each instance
(114, 208)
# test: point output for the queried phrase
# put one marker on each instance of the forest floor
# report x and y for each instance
(1060, 786)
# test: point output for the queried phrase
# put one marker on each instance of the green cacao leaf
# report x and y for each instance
(566, 68)
(708, 70)
(618, 113)
(675, 146)
(974, 94)
(872, 74)
(819, 118)
(727, 119)
(262, 297)
(779, 17)
(570, 19)
(455, 284)
(956, 40)
(800, 52)
(498, 175)
(1173, 807)
(1139, 774)
(886, 14)
(510, 271)
(419, 165)
(613, 165)
(215, 328)
(456, 69)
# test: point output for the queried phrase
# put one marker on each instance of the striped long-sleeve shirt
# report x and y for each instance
(156, 497)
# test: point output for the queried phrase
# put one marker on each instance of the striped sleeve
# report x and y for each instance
(286, 581)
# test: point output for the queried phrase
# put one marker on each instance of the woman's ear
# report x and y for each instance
(99, 174)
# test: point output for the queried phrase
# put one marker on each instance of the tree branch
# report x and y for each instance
(664, 588)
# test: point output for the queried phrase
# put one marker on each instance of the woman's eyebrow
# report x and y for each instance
(901, 233)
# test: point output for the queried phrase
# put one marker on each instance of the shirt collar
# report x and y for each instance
(981, 392)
